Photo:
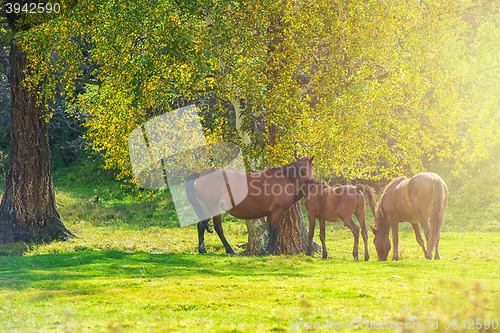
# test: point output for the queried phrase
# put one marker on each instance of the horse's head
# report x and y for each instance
(382, 243)
(306, 167)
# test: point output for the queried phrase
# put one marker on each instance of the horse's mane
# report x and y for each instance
(379, 214)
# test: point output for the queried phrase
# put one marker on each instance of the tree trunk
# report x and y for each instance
(291, 239)
(28, 210)
(258, 236)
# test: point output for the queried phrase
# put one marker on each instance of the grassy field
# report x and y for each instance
(136, 290)
(133, 270)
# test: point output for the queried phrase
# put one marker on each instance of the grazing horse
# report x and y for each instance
(338, 203)
(413, 200)
(270, 194)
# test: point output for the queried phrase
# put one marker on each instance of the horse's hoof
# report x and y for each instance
(367, 258)
(395, 258)
(234, 253)
(202, 251)
(356, 259)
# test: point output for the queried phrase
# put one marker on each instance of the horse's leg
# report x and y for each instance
(312, 224)
(201, 238)
(436, 255)
(418, 236)
(322, 237)
(364, 232)
(273, 229)
(422, 219)
(395, 240)
(220, 232)
(355, 231)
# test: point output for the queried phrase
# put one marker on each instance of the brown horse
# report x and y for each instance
(338, 203)
(411, 200)
(264, 194)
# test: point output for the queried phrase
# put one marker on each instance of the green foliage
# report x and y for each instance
(400, 99)
(372, 89)
(141, 57)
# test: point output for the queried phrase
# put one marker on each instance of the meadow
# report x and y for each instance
(132, 269)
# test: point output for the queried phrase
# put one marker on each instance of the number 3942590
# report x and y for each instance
(32, 8)
(471, 324)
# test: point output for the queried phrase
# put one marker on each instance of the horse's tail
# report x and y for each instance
(193, 199)
(370, 194)
(438, 207)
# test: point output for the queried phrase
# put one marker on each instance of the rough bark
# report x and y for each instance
(258, 236)
(291, 238)
(28, 210)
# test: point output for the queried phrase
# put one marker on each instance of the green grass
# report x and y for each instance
(117, 291)
(132, 269)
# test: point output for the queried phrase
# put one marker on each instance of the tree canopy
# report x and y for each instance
(372, 89)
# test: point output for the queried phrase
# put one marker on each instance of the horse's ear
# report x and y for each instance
(312, 158)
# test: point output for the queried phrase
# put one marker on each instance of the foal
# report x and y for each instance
(338, 203)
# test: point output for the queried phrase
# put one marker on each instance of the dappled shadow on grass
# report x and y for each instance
(84, 269)
(79, 272)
